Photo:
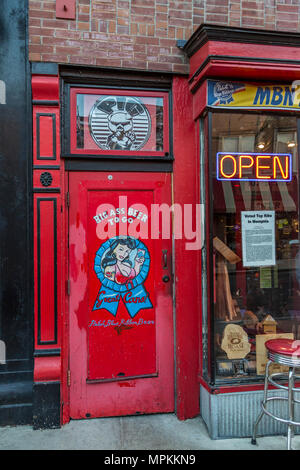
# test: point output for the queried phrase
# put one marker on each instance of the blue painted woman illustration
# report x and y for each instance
(118, 266)
(122, 265)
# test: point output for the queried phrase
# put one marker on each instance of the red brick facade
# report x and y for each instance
(142, 34)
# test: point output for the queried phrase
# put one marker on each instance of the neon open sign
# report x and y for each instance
(254, 166)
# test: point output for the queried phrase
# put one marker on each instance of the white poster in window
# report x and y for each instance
(258, 238)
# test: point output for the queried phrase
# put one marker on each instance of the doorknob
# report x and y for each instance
(166, 278)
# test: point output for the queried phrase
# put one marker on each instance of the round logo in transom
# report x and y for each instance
(119, 123)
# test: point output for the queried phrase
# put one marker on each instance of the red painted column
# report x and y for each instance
(47, 189)
(187, 262)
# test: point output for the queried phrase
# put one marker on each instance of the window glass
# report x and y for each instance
(256, 251)
(119, 123)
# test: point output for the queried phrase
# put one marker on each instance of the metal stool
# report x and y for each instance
(285, 352)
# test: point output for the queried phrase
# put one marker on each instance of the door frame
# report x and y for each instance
(185, 170)
(65, 357)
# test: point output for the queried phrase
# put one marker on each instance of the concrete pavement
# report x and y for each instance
(148, 432)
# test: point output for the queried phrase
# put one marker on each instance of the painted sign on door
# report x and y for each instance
(122, 265)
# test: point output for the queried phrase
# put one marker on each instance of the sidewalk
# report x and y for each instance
(151, 432)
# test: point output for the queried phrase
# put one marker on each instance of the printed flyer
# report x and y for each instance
(258, 238)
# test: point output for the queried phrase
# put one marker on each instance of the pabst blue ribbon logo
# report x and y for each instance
(223, 92)
(120, 123)
(122, 265)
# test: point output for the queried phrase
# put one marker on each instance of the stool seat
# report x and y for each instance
(286, 347)
(284, 351)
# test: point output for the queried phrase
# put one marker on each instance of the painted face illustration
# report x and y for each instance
(120, 122)
(121, 252)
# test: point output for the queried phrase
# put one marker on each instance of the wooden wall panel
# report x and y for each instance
(45, 132)
(46, 270)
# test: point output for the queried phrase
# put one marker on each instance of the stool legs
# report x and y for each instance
(253, 441)
(290, 408)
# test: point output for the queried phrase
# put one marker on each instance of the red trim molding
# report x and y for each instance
(214, 390)
(240, 54)
(47, 369)
(45, 88)
(188, 307)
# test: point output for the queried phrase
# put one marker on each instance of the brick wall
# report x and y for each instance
(142, 34)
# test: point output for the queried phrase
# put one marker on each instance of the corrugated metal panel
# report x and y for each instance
(234, 414)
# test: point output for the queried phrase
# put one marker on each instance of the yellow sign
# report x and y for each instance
(246, 95)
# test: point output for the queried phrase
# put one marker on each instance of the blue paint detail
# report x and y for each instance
(133, 293)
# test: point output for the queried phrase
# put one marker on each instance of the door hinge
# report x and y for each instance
(68, 287)
(68, 199)
(69, 378)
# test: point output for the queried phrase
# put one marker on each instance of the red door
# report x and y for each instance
(121, 311)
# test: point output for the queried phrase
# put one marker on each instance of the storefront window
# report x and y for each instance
(255, 244)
